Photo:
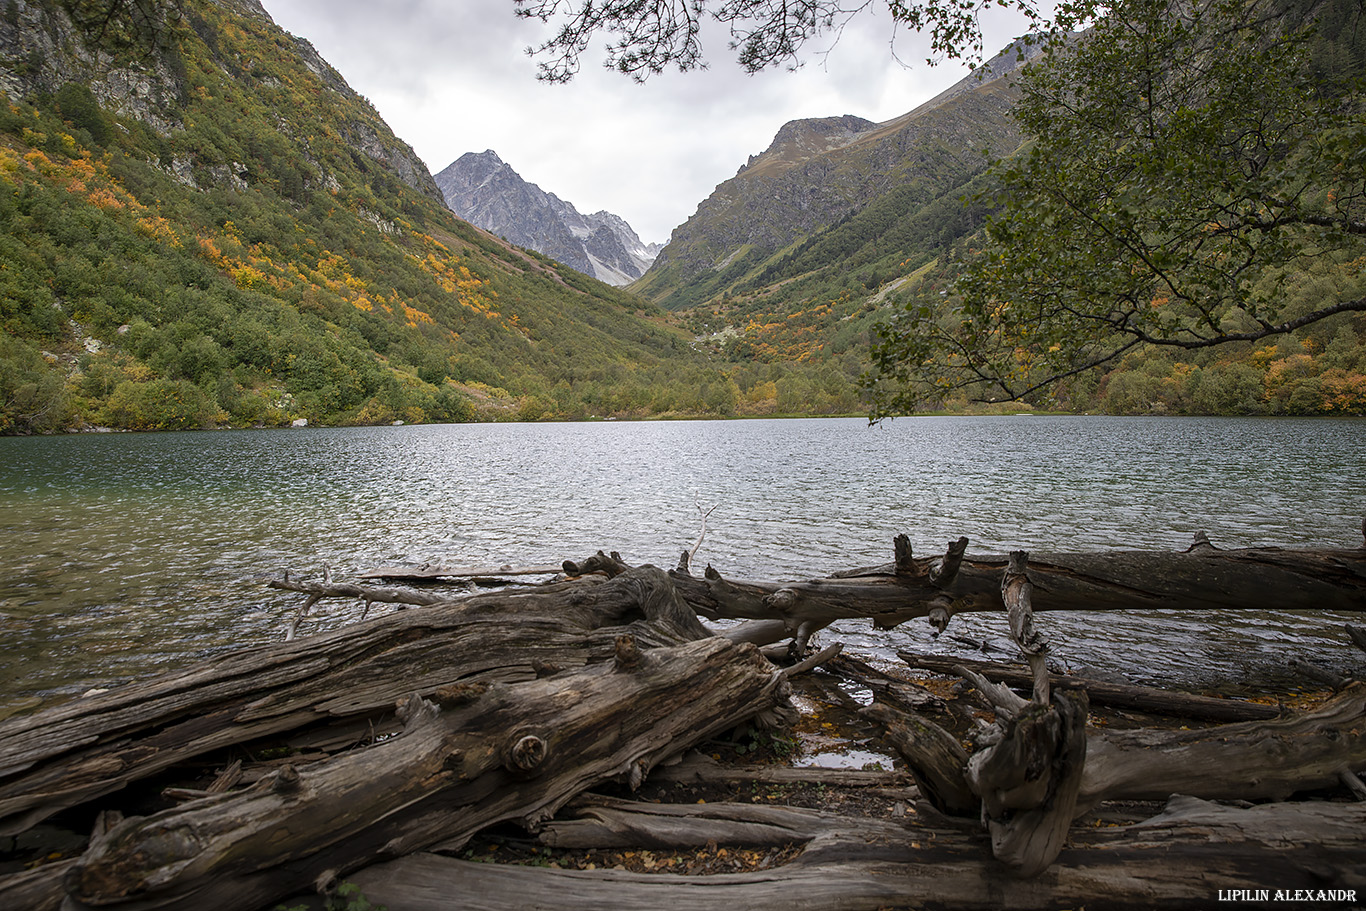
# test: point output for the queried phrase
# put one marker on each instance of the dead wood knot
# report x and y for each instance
(287, 780)
(783, 599)
(627, 656)
(526, 753)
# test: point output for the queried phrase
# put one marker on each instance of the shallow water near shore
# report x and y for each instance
(123, 555)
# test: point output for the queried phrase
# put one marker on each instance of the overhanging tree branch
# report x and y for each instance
(1187, 170)
(645, 37)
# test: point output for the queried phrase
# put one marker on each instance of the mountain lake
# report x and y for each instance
(127, 554)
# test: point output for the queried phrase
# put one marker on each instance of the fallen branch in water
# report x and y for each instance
(317, 591)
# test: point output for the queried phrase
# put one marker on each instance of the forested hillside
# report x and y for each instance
(824, 297)
(202, 225)
(793, 260)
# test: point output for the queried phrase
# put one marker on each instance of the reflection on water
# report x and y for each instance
(125, 553)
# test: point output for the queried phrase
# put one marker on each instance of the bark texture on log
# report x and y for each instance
(1253, 760)
(512, 751)
(1141, 698)
(39, 889)
(78, 751)
(1029, 782)
(1204, 578)
(1180, 859)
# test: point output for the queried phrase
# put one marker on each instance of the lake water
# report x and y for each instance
(126, 554)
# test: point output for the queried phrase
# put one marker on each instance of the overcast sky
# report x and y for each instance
(450, 77)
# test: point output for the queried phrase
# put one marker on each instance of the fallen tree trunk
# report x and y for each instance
(328, 688)
(352, 677)
(1255, 760)
(1201, 578)
(513, 751)
(1187, 857)
(1140, 698)
(76, 752)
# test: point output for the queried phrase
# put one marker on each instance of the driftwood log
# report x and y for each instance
(487, 754)
(1203, 577)
(1254, 760)
(1141, 698)
(343, 684)
(516, 701)
(1037, 768)
(1185, 858)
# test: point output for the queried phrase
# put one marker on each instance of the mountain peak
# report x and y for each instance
(486, 157)
(799, 140)
(819, 172)
(485, 191)
(837, 129)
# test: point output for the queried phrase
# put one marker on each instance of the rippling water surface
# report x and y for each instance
(125, 554)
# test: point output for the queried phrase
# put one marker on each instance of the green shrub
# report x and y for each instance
(32, 394)
(160, 405)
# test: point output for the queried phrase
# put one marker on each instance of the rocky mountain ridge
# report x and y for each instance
(819, 171)
(485, 191)
(42, 49)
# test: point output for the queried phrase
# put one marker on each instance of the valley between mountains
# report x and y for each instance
(206, 226)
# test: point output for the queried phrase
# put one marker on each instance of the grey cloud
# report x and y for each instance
(450, 77)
